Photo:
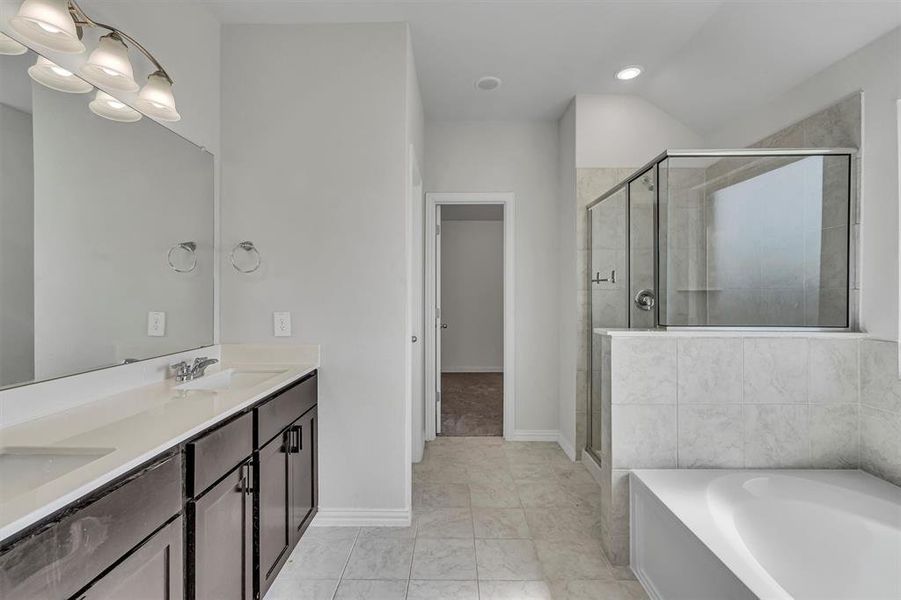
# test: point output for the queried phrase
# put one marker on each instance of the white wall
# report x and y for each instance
(472, 296)
(314, 172)
(567, 283)
(875, 69)
(518, 157)
(16, 247)
(625, 131)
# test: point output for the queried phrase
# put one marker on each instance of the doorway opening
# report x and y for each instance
(469, 285)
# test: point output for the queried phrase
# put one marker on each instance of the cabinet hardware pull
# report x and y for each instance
(298, 431)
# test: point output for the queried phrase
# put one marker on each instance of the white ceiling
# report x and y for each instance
(706, 61)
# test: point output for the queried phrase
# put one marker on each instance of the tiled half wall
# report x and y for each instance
(742, 400)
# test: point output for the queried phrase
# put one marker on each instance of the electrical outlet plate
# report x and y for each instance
(156, 324)
(281, 324)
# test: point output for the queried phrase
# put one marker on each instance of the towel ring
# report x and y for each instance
(190, 248)
(246, 247)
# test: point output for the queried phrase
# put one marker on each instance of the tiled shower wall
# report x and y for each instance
(742, 400)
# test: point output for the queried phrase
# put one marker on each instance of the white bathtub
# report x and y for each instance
(719, 535)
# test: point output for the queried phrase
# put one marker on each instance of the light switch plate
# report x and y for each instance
(281, 324)
(156, 324)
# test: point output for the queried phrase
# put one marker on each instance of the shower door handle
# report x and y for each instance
(611, 279)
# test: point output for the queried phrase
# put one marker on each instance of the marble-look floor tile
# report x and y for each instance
(441, 495)
(563, 523)
(447, 559)
(545, 494)
(371, 589)
(509, 560)
(443, 590)
(322, 555)
(573, 559)
(500, 523)
(389, 532)
(596, 590)
(380, 558)
(444, 523)
(288, 587)
(494, 495)
(514, 590)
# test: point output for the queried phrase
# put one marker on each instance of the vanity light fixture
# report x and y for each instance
(58, 25)
(48, 23)
(156, 99)
(108, 107)
(55, 77)
(11, 47)
(108, 66)
(630, 72)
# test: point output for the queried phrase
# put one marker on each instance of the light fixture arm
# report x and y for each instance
(83, 20)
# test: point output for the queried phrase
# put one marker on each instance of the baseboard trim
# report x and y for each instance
(361, 517)
(534, 435)
(567, 446)
(593, 467)
(472, 369)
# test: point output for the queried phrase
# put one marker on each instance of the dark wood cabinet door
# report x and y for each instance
(153, 571)
(302, 436)
(274, 509)
(222, 521)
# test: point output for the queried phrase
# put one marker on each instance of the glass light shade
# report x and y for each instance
(48, 24)
(109, 67)
(11, 47)
(104, 105)
(156, 99)
(55, 77)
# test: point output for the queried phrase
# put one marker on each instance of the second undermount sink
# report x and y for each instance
(24, 468)
(228, 379)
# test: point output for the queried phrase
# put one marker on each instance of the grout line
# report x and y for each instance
(347, 562)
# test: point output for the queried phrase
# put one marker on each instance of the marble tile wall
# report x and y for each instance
(736, 400)
(880, 410)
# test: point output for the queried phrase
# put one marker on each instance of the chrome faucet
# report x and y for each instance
(186, 372)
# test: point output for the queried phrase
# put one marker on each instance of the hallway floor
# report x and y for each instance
(492, 520)
(472, 404)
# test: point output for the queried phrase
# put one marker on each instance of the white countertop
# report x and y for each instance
(137, 424)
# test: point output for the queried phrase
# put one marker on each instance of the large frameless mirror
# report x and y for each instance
(106, 232)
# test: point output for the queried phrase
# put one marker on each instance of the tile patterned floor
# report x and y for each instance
(493, 520)
(472, 404)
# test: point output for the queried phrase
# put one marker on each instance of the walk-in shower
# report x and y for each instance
(752, 238)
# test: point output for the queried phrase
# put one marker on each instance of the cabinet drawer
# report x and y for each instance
(68, 553)
(218, 452)
(284, 409)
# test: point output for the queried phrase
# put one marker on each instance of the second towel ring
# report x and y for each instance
(246, 247)
(190, 248)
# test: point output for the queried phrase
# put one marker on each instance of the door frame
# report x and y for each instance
(507, 200)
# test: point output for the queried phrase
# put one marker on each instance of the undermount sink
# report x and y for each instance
(228, 379)
(24, 468)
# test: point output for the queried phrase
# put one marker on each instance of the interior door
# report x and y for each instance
(439, 326)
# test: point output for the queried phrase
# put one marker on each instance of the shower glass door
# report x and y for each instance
(608, 296)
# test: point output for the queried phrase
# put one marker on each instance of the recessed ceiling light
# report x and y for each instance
(627, 73)
(488, 83)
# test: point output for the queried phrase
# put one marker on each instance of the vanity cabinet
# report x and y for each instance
(70, 551)
(222, 535)
(214, 518)
(286, 475)
(219, 488)
(153, 571)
